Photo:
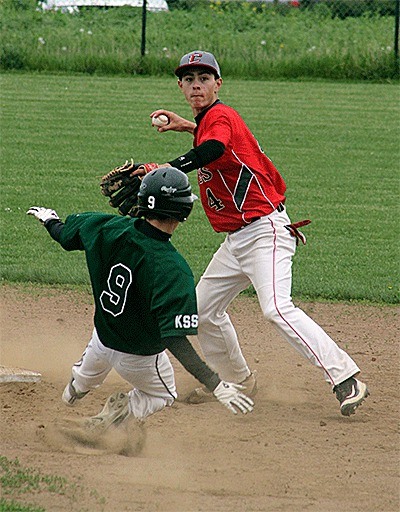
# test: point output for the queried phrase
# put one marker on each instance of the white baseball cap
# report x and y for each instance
(200, 59)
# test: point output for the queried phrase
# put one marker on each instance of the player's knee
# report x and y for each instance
(270, 315)
(274, 311)
(211, 317)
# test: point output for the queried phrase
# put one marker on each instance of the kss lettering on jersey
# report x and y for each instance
(243, 182)
(134, 311)
(186, 321)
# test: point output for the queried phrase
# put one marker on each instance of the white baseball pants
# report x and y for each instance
(261, 254)
(152, 377)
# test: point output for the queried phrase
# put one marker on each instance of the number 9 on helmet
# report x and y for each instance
(165, 193)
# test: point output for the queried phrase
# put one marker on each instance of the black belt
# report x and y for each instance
(279, 209)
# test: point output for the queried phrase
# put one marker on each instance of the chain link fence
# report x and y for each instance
(256, 39)
(339, 8)
(336, 9)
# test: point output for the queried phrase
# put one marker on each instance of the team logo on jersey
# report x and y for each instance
(186, 321)
(204, 175)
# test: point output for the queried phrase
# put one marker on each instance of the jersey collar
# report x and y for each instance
(148, 230)
(200, 116)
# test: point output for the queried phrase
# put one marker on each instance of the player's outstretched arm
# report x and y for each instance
(49, 219)
(228, 394)
(175, 123)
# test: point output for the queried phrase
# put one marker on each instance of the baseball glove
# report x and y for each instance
(122, 188)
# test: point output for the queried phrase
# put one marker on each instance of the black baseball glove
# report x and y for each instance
(122, 188)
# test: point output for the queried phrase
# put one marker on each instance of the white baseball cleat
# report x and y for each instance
(114, 412)
(70, 395)
(203, 395)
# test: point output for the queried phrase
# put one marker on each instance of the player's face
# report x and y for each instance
(200, 88)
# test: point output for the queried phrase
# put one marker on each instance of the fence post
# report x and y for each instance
(396, 36)
(144, 12)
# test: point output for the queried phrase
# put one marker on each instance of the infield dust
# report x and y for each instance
(294, 453)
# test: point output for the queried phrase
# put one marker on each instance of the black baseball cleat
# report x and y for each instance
(351, 393)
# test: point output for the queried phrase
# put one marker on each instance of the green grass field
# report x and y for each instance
(18, 482)
(336, 145)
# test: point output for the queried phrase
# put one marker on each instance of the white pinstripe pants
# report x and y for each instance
(152, 377)
(261, 255)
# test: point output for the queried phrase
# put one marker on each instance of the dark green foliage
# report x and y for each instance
(253, 40)
(19, 5)
(11, 58)
(187, 5)
(352, 8)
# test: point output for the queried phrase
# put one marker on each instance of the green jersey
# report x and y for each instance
(143, 288)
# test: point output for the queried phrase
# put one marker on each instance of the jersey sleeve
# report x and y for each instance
(216, 125)
(70, 238)
(207, 152)
(174, 298)
(79, 230)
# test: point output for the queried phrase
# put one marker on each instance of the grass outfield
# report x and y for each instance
(336, 145)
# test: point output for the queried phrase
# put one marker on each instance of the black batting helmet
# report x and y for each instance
(165, 193)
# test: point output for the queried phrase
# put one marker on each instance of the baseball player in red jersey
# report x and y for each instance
(243, 194)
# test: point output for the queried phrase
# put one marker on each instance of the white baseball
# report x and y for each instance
(160, 120)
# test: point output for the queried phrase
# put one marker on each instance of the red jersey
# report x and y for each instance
(243, 183)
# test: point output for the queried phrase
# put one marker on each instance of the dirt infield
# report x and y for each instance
(294, 453)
